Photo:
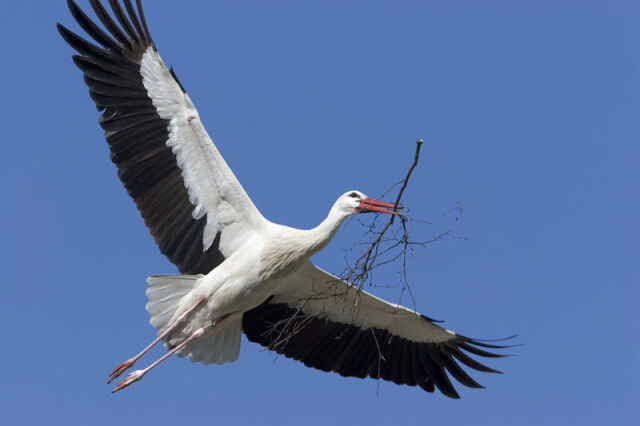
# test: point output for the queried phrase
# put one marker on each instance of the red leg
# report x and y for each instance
(134, 376)
(129, 363)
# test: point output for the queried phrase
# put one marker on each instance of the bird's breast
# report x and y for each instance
(280, 260)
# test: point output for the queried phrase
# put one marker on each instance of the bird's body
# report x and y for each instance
(240, 272)
(262, 266)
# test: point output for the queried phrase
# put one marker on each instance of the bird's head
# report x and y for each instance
(354, 202)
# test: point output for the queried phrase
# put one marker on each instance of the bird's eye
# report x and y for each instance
(354, 195)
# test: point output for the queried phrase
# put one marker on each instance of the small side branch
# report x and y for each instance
(388, 244)
(359, 274)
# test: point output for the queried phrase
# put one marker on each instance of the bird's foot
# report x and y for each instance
(121, 369)
(129, 363)
(133, 377)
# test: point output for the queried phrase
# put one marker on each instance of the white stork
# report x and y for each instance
(241, 272)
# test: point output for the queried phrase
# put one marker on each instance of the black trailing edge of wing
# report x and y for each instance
(136, 134)
(354, 352)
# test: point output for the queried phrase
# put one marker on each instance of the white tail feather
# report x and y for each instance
(219, 345)
(164, 294)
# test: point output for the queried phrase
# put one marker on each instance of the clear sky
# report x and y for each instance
(529, 110)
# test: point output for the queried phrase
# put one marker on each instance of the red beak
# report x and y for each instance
(371, 205)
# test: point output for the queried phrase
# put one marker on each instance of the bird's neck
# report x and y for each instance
(322, 234)
(296, 246)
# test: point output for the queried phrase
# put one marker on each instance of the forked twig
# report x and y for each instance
(359, 273)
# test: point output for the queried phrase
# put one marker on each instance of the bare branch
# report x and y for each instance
(381, 245)
(389, 244)
(359, 273)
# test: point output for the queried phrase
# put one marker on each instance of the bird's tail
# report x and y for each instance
(221, 344)
(164, 293)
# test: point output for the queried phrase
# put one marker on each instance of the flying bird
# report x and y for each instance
(240, 272)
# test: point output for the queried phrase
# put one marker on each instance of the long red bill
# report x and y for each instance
(371, 205)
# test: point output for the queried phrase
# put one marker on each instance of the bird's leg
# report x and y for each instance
(215, 323)
(129, 363)
(134, 376)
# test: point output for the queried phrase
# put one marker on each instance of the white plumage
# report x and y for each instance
(242, 273)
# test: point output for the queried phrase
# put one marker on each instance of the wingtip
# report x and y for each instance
(452, 395)
(513, 336)
(65, 32)
(73, 6)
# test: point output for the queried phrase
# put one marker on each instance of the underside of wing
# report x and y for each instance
(180, 183)
(329, 325)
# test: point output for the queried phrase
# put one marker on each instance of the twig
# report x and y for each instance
(365, 262)
(383, 247)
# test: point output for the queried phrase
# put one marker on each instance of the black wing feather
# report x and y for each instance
(122, 19)
(136, 134)
(94, 31)
(353, 352)
(110, 25)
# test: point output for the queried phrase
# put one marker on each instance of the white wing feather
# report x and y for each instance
(317, 292)
(213, 188)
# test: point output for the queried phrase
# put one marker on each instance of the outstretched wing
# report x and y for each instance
(192, 203)
(331, 325)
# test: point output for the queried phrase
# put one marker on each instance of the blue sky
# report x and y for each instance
(530, 115)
